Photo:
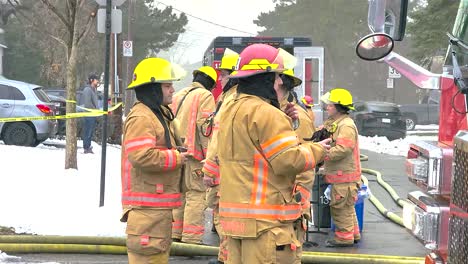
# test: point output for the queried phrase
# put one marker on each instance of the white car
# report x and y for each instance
(20, 99)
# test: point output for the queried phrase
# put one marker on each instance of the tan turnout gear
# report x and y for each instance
(211, 169)
(150, 185)
(261, 156)
(192, 105)
(342, 169)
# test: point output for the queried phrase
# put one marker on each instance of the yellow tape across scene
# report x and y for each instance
(91, 112)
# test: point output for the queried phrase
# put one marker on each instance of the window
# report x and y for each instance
(16, 94)
(39, 92)
(4, 92)
(10, 93)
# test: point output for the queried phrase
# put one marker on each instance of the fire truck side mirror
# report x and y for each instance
(374, 46)
(388, 16)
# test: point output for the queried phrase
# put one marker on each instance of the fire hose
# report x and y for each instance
(115, 245)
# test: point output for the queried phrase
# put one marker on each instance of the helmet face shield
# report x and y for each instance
(229, 60)
(156, 70)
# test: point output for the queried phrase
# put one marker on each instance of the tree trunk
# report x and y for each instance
(71, 125)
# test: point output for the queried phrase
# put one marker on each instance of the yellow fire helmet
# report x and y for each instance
(338, 96)
(155, 70)
(208, 70)
(229, 60)
(290, 73)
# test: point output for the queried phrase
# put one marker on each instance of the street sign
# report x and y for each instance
(116, 21)
(114, 2)
(392, 73)
(390, 83)
(127, 48)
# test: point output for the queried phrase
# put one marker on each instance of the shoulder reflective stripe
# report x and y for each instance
(260, 179)
(309, 158)
(345, 142)
(171, 159)
(278, 144)
(137, 143)
(263, 211)
(148, 199)
(211, 167)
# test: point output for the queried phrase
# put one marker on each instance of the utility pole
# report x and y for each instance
(129, 94)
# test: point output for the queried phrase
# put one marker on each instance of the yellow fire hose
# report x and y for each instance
(96, 245)
(116, 245)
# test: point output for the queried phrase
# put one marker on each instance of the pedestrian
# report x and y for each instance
(304, 130)
(211, 166)
(342, 167)
(89, 100)
(258, 163)
(192, 105)
(151, 164)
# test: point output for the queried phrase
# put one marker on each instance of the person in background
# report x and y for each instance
(89, 100)
(211, 167)
(192, 105)
(342, 167)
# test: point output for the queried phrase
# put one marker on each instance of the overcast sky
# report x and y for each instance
(235, 14)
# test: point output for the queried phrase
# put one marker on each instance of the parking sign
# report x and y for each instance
(127, 48)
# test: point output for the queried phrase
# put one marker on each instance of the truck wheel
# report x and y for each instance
(410, 123)
(20, 134)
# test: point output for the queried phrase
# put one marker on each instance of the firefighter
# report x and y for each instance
(308, 102)
(342, 167)
(151, 165)
(192, 105)
(211, 168)
(259, 161)
(305, 129)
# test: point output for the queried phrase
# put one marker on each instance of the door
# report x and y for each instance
(7, 103)
(310, 69)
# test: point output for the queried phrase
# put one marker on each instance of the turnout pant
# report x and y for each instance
(149, 236)
(212, 200)
(278, 245)
(343, 197)
(189, 219)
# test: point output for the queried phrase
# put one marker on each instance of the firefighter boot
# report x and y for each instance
(332, 243)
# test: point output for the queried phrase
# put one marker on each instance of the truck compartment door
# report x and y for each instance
(310, 69)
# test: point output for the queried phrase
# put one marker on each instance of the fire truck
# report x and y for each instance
(437, 214)
(310, 64)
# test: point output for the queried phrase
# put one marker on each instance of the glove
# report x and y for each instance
(208, 181)
(319, 135)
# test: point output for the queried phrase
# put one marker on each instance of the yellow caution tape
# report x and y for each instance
(91, 112)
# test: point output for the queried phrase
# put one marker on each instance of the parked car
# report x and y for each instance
(20, 99)
(379, 118)
(425, 113)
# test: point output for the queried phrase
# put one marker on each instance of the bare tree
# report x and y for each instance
(68, 23)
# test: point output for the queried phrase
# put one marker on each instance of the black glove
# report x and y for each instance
(319, 135)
